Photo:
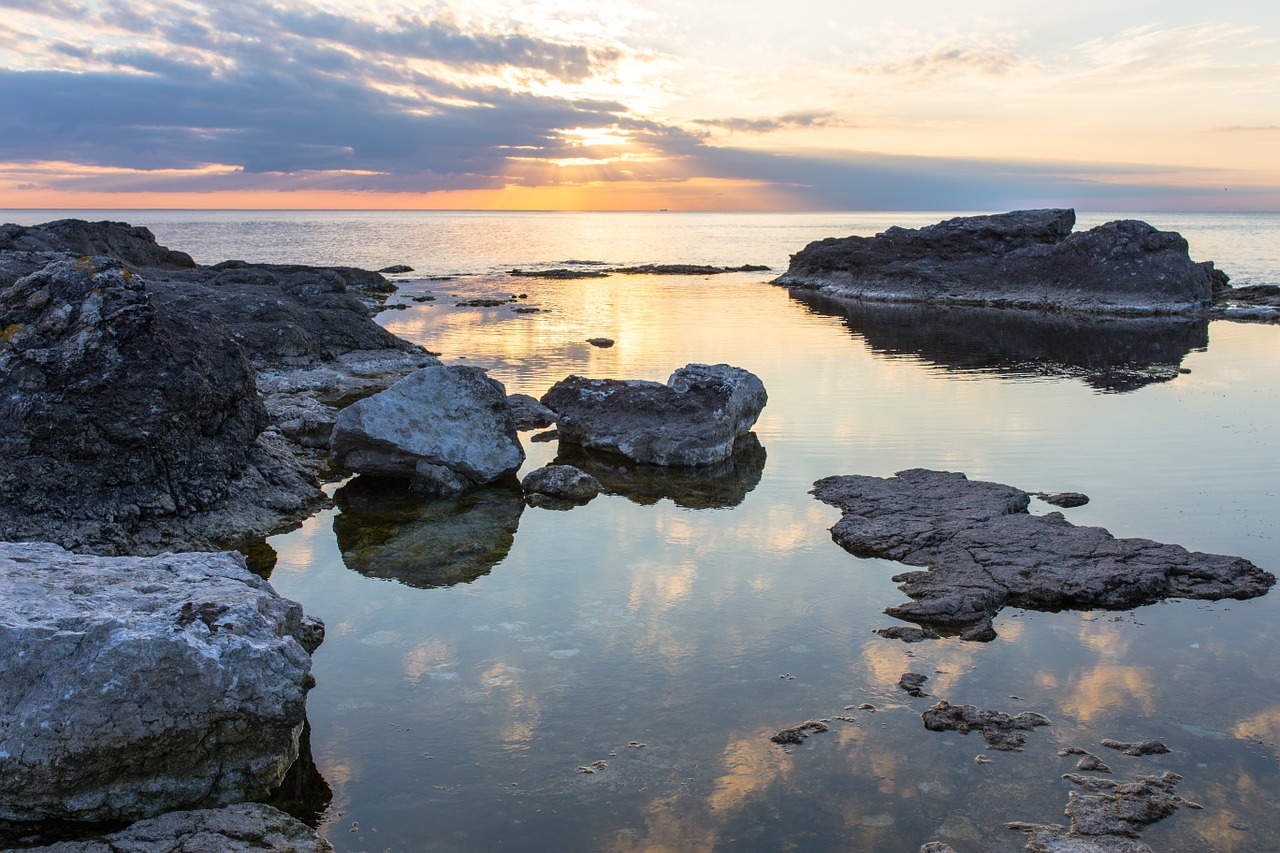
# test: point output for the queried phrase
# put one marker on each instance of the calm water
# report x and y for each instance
(697, 616)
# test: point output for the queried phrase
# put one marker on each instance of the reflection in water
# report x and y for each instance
(1115, 354)
(303, 793)
(384, 531)
(724, 484)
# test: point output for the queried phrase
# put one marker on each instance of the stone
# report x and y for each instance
(396, 269)
(694, 419)
(529, 413)
(984, 551)
(560, 483)
(936, 847)
(1136, 749)
(455, 417)
(1088, 763)
(1066, 500)
(685, 269)
(130, 244)
(127, 423)
(1021, 259)
(998, 729)
(240, 828)
(134, 686)
(602, 343)
(913, 683)
(908, 634)
(796, 735)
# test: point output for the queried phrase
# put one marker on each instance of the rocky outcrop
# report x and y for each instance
(984, 551)
(1027, 259)
(131, 244)
(446, 428)
(240, 828)
(559, 486)
(385, 531)
(134, 686)
(121, 414)
(1000, 730)
(694, 419)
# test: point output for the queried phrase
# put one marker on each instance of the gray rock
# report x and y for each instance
(529, 413)
(984, 551)
(603, 343)
(796, 735)
(1088, 762)
(455, 417)
(913, 683)
(1138, 748)
(561, 483)
(1025, 259)
(998, 729)
(908, 634)
(240, 828)
(1066, 500)
(130, 244)
(134, 686)
(694, 419)
(936, 847)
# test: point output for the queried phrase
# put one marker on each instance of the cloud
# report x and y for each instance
(790, 121)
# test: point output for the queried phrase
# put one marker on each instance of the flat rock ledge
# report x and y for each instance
(133, 686)
(241, 828)
(984, 552)
(1022, 259)
(694, 419)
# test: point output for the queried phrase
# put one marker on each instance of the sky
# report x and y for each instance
(640, 104)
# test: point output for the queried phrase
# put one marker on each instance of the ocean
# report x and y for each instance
(482, 655)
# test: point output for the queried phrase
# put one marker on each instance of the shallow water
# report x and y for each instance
(480, 653)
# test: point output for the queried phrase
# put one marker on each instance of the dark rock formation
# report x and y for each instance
(559, 274)
(998, 729)
(913, 683)
(908, 634)
(121, 413)
(798, 734)
(529, 413)
(685, 269)
(694, 419)
(1088, 761)
(1066, 500)
(241, 828)
(1027, 258)
(559, 486)
(1110, 353)
(134, 685)
(1137, 749)
(723, 484)
(603, 343)
(385, 531)
(133, 245)
(447, 428)
(984, 551)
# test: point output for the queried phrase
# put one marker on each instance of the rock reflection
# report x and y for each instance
(722, 485)
(384, 531)
(303, 793)
(1114, 354)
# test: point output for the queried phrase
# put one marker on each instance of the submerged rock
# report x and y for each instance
(693, 419)
(240, 828)
(798, 734)
(1137, 749)
(450, 426)
(133, 686)
(1088, 761)
(998, 729)
(385, 531)
(984, 551)
(913, 683)
(721, 485)
(1026, 259)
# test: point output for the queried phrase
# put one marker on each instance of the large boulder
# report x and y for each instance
(445, 427)
(1027, 258)
(131, 244)
(693, 419)
(133, 686)
(118, 412)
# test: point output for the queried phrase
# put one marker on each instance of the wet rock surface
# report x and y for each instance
(796, 735)
(529, 413)
(998, 729)
(1109, 353)
(723, 484)
(1066, 500)
(387, 532)
(450, 426)
(1088, 762)
(908, 634)
(556, 485)
(240, 828)
(130, 244)
(984, 551)
(1138, 748)
(694, 419)
(913, 683)
(136, 685)
(1025, 258)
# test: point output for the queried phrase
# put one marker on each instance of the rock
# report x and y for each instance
(385, 531)
(529, 413)
(685, 269)
(1115, 354)
(1066, 500)
(1026, 258)
(913, 683)
(132, 245)
(694, 419)
(1140, 748)
(455, 417)
(127, 422)
(908, 634)
(562, 483)
(717, 486)
(984, 551)
(936, 847)
(1088, 762)
(134, 686)
(798, 734)
(559, 274)
(603, 343)
(396, 269)
(240, 828)
(998, 729)
(1109, 817)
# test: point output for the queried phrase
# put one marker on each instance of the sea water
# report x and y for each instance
(482, 656)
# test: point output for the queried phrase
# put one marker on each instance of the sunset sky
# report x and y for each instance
(640, 104)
